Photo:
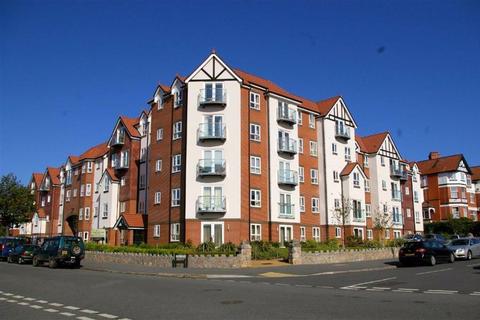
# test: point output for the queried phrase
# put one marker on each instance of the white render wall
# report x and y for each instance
(354, 193)
(417, 206)
(231, 150)
(276, 157)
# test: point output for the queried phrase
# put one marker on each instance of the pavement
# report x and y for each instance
(362, 290)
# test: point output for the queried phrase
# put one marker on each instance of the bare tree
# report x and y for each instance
(342, 215)
(382, 217)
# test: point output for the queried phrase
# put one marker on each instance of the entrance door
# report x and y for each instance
(285, 235)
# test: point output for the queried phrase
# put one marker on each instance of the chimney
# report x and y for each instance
(433, 155)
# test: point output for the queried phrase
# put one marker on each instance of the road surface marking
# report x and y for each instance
(277, 275)
(369, 282)
(349, 288)
(108, 316)
(281, 284)
(18, 297)
(434, 271)
(88, 311)
(373, 289)
(23, 303)
(71, 308)
(29, 299)
(12, 301)
(55, 304)
(381, 288)
(472, 265)
(84, 318)
(2, 298)
(34, 306)
(475, 293)
(406, 290)
(42, 301)
(303, 285)
(50, 310)
(222, 276)
(67, 314)
(441, 291)
(347, 271)
(8, 294)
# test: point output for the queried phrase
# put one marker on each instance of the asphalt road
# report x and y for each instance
(350, 291)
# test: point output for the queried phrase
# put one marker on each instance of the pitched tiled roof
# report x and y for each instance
(133, 220)
(112, 174)
(164, 88)
(94, 152)
(325, 106)
(74, 159)
(443, 164)
(475, 173)
(54, 173)
(37, 178)
(360, 143)
(129, 124)
(348, 169)
(372, 143)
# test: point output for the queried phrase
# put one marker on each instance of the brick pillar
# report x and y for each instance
(295, 252)
(245, 254)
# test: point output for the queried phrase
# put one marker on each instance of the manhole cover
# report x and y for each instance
(231, 302)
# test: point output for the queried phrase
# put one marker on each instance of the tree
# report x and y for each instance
(341, 215)
(382, 219)
(16, 202)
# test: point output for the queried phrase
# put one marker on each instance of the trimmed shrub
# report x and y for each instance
(264, 250)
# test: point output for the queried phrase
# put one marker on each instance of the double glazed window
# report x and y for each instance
(212, 232)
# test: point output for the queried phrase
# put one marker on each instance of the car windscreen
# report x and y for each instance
(69, 243)
(459, 242)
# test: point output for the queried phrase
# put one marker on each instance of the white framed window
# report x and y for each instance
(302, 203)
(82, 190)
(176, 163)
(367, 185)
(106, 185)
(336, 177)
(255, 132)
(356, 180)
(255, 198)
(80, 214)
(178, 99)
(303, 236)
(299, 117)
(141, 206)
(88, 189)
(334, 148)
(105, 211)
(176, 197)
(336, 203)
(407, 191)
(158, 165)
(382, 161)
(175, 232)
(311, 120)
(316, 234)
(315, 205)
(313, 148)
(384, 185)
(300, 145)
(83, 168)
(142, 181)
(48, 199)
(156, 231)
(158, 197)
(255, 165)
(368, 210)
(74, 193)
(95, 212)
(397, 234)
(314, 176)
(122, 181)
(348, 156)
(338, 232)
(122, 206)
(212, 232)
(89, 166)
(177, 130)
(417, 217)
(409, 213)
(254, 101)
(369, 234)
(87, 213)
(301, 174)
(159, 134)
(67, 196)
(255, 232)
(358, 233)
(387, 234)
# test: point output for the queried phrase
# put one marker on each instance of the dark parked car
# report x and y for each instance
(425, 251)
(22, 253)
(435, 236)
(8, 244)
(62, 250)
(413, 237)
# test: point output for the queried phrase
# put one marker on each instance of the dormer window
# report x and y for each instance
(178, 99)
(119, 137)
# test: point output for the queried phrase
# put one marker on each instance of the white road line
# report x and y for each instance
(222, 276)
(434, 271)
(84, 318)
(18, 297)
(67, 314)
(50, 310)
(34, 306)
(381, 288)
(108, 316)
(378, 290)
(23, 303)
(29, 299)
(12, 301)
(472, 265)
(349, 288)
(303, 285)
(42, 301)
(347, 271)
(441, 291)
(71, 308)
(55, 304)
(2, 298)
(88, 311)
(7, 294)
(408, 289)
(369, 282)
(475, 294)
(281, 284)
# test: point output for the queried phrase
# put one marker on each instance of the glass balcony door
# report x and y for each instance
(214, 92)
(213, 232)
(214, 125)
(284, 139)
(213, 198)
(213, 161)
(285, 204)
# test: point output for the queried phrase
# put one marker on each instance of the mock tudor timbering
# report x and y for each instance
(226, 156)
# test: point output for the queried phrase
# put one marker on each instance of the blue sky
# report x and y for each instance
(69, 68)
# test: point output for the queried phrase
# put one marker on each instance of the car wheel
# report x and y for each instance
(35, 262)
(20, 260)
(52, 263)
(469, 255)
(451, 258)
(432, 261)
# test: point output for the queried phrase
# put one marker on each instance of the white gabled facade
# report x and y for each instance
(417, 198)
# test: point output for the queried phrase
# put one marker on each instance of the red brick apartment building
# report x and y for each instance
(226, 156)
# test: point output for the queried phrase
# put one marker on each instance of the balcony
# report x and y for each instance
(288, 177)
(211, 204)
(457, 200)
(286, 115)
(118, 140)
(286, 210)
(217, 97)
(397, 221)
(342, 133)
(398, 173)
(358, 217)
(121, 165)
(210, 131)
(287, 145)
(396, 195)
(211, 167)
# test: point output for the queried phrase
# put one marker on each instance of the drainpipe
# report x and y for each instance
(249, 174)
(325, 180)
(268, 185)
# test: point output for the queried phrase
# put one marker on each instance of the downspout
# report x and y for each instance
(170, 141)
(268, 175)
(325, 180)
(248, 164)
(182, 220)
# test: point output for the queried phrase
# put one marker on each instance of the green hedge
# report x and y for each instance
(312, 246)
(167, 249)
(264, 250)
(462, 226)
